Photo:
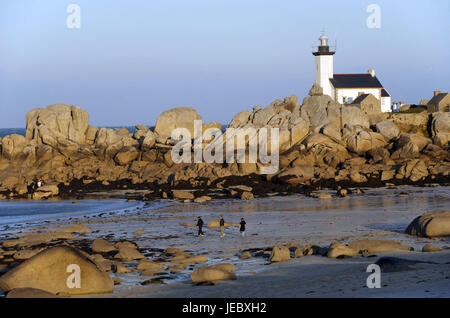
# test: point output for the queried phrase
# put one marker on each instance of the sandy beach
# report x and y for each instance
(280, 220)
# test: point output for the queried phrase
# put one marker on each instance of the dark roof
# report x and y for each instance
(384, 93)
(436, 99)
(360, 98)
(355, 81)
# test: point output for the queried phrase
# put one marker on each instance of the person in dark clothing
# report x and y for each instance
(200, 225)
(222, 225)
(242, 229)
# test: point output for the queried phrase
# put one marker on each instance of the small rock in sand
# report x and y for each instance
(182, 195)
(147, 264)
(430, 248)
(121, 244)
(280, 254)
(76, 228)
(102, 246)
(245, 255)
(247, 196)
(194, 259)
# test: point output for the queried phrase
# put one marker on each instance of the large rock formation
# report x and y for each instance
(322, 110)
(56, 123)
(440, 129)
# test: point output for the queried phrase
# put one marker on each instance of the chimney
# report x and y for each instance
(371, 72)
(436, 93)
(360, 93)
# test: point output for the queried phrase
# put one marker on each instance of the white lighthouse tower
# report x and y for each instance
(324, 65)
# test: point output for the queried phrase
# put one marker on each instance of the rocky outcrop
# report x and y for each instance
(13, 146)
(430, 224)
(409, 145)
(57, 123)
(180, 117)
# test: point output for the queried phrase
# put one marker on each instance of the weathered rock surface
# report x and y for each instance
(338, 250)
(280, 254)
(430, 224)
(377, 246)
(76, 228)
(388, 129)
(213, 273)
(50, 271)
(128, 253)
(180, 117)
(147, 264)
(430, 248)
(29, 293)
(102, 246)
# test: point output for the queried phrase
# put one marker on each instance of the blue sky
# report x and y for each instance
(133, 59)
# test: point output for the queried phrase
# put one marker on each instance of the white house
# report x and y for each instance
(344, 88)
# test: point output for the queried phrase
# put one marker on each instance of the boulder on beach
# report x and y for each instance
(76, 228)
(377, 246)
(147, 264)
(223, 266)
(182, 195)
(173, 251)
(102, 246)
(430, 248)
(245, 255)
(128, 253)
(280, 254)
(430, 224)
(55, 270)
(339, 250)
(193, 259)
(213, 273)
(121, 244)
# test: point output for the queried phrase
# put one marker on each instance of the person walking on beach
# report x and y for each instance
(242, 229)
(222, 225)
(200, 225)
